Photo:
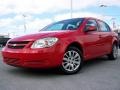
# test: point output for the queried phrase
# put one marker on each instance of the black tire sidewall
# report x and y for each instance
(111, 55)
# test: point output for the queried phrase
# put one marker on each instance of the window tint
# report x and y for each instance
(91, 23)
(56, 26)
(108, 28)
(103, 27)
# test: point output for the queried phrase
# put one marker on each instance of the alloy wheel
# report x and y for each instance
(71, 61)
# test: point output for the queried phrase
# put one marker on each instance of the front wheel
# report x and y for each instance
(72, 61)
(114, 53)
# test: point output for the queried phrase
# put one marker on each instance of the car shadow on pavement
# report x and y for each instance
(88, 65)
(95, 61)
(34, 72)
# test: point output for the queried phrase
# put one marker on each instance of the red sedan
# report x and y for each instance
(65, 44)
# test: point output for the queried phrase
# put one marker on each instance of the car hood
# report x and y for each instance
(41, 34)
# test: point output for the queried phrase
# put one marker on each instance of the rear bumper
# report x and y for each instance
(33, 58)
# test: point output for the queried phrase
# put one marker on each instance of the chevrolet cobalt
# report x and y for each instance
(65, 44)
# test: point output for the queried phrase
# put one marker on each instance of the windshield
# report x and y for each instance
(70, 24)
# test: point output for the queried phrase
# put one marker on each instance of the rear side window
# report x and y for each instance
(103, 27)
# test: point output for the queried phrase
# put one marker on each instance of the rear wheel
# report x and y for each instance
(114, 53)
(72, 61)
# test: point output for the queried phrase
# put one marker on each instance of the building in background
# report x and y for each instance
(3, 40)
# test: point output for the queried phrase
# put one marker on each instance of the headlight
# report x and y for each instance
(45, 42)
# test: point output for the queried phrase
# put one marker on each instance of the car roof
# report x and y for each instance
(82, 18)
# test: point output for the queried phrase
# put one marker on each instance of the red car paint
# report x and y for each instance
(93, 44)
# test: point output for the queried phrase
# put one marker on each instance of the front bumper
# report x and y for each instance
(33, 58)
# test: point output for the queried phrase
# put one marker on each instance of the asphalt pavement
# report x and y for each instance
(98, 74)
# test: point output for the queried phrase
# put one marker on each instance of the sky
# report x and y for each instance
(35, 14)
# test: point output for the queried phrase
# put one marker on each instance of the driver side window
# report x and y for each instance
(91, 23)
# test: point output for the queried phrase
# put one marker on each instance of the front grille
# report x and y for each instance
(15, 47)
(17, 44)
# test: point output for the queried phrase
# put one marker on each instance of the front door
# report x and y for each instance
(91, 40)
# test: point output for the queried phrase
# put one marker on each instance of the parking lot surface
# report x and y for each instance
(98, 74)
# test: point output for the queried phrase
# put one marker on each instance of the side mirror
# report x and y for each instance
(90, 28)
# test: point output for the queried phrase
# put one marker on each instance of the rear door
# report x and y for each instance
(105, 37)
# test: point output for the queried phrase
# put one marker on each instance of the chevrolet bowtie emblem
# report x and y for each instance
(14, 45)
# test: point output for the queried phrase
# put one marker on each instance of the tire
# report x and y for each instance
(72, 61)
(114, 53)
